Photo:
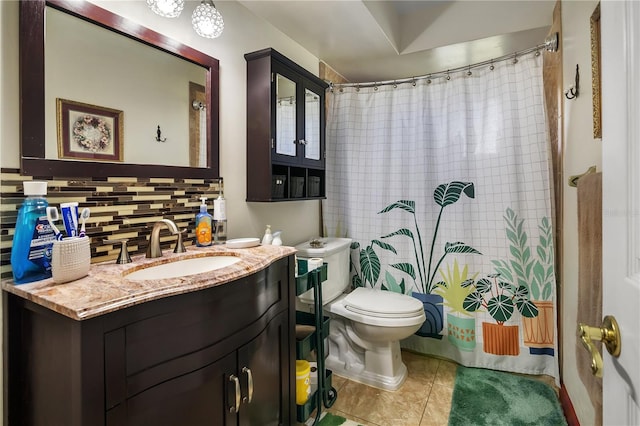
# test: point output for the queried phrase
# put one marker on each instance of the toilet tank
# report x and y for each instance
(335, 253)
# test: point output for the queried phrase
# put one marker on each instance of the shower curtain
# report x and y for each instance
(444, 187)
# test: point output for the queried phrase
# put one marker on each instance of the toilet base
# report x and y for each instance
(390, 383)
(377, 364)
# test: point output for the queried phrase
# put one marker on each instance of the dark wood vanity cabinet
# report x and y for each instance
(285, 129)
(219, 356)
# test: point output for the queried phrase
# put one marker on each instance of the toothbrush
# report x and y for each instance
(52, 216)
(84, 215)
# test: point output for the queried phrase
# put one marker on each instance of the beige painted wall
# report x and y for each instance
(581, 152)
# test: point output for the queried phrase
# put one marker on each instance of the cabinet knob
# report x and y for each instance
(234, 409)
(303, 142)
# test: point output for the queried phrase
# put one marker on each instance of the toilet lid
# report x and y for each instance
(380, 303)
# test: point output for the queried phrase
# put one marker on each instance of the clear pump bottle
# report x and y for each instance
(219, 217)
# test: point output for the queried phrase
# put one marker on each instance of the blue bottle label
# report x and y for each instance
(42, 244)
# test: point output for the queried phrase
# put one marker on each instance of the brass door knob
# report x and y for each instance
(609, 334)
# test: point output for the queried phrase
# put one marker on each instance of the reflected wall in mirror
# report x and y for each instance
(285, 116)
(152, 83)
(312, 125)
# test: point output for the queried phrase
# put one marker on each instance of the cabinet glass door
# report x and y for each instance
(286, 137)
(311, 125)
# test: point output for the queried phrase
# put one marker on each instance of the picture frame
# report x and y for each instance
(89, 132)
(595, 72)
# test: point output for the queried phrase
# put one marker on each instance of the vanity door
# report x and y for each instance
(199, 398)
(264, 367)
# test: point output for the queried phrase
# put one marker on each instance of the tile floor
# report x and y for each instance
(423, 400)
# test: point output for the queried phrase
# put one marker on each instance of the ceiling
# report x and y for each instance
(368, 41)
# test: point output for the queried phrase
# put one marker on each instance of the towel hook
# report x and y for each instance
(574, 90)
(159, 138)
(573, 180)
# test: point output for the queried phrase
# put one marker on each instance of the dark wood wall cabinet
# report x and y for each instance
(218, 356)
(285, 129)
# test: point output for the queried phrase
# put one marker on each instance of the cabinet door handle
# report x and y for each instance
(247, 371)
(303, 142)
(234, 378)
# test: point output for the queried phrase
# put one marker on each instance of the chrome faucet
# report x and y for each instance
(153, 249)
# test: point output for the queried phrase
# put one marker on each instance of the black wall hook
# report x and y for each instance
(159, 138)
(574, 90)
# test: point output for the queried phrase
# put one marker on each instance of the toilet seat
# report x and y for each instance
(382, 304)
(378, 307)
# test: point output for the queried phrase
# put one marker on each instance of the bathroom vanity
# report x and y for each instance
(214, 348)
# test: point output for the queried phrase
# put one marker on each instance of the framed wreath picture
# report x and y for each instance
(89, 132)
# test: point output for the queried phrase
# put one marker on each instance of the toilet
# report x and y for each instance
(366, 324)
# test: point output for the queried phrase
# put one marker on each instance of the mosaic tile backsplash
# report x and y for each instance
(122, 207)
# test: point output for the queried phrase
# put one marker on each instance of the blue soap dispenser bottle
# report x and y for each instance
(204, 223)
(33, 240)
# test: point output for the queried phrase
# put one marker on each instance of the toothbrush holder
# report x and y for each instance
(70, 259)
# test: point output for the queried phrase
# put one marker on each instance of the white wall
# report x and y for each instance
(243, 33)
(581, 152)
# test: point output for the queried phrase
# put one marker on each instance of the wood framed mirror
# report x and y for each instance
(34, 125)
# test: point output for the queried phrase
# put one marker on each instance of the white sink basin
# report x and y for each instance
(183, 268)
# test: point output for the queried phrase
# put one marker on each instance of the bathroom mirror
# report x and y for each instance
(42, 134)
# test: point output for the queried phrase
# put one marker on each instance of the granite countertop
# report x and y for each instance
(107, 289)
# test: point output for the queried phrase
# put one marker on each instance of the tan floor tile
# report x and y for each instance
(352, 418)
(420, 367)
(438, 406)
(401, 408)
(337, 381)
(446, 373)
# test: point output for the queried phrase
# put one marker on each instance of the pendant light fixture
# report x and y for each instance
(166, 8)
(206, 19)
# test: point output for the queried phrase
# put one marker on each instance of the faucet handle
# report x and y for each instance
(179, 248)
(123, 256)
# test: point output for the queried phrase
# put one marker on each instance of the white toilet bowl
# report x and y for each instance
(366, 328)
(366, 324)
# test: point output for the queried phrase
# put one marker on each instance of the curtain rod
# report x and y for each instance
(550, 44)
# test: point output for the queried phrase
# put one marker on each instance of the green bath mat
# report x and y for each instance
(487, 397)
